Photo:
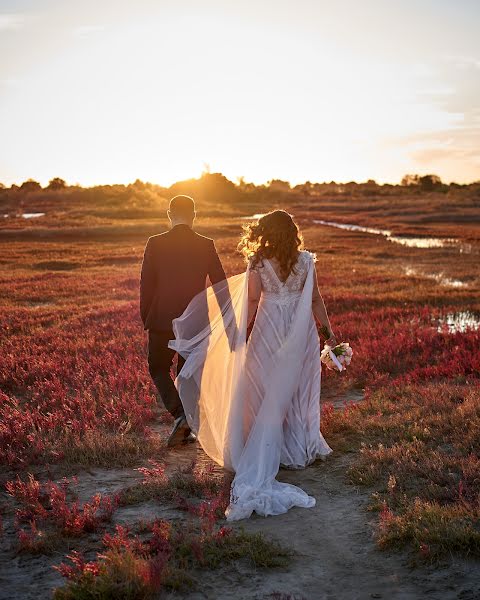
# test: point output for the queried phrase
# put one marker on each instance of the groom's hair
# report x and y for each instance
(182, 206)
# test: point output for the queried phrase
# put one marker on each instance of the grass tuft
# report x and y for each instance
(119, 574)
(423, 463)
(104, 449)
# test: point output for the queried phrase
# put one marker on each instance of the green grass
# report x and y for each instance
(418, 448)
(104, 449)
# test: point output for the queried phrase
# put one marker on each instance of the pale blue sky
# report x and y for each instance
(107, 91)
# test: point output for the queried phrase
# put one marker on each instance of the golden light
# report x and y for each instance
(155, 93)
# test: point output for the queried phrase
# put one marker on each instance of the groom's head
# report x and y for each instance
(181, 211)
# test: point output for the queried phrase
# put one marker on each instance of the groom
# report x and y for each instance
(174, 270)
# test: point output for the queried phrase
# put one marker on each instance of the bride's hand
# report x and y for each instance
(332, 341)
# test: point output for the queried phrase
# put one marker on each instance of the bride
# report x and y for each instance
(254, 401)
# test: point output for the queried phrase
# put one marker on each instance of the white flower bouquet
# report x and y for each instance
(337, 358)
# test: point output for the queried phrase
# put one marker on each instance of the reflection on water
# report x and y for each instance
(438, 277)
(25, 215)
(459, 322)
(254, 217)
(414, 242)
(351, 227)
(411, 242)
(32, 215)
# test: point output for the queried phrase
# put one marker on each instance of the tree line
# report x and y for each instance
(216, 187)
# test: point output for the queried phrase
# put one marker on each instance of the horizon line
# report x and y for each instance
(236, 183)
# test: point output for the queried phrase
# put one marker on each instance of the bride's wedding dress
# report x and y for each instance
(255, 405)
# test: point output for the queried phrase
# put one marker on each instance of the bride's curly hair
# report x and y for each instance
(275, 235)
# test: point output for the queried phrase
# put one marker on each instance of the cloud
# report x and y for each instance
(11, 22)
(454, 90)
(429, 156)
(451, 153)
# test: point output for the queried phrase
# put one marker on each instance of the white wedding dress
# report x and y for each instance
(255, 405)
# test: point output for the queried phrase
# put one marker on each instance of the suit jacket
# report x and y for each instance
(174, 270)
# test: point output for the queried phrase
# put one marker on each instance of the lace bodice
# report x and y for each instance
(275, 289)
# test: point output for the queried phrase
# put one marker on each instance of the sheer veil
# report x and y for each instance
(211, 336)
(213, 387)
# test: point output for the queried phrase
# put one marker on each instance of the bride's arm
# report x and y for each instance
(320, 312)
(254, 292)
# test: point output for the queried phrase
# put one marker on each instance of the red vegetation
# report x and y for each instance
(75, 388)
(46, 508)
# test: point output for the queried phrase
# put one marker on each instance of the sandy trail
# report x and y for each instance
(335, 557)
(334, 554)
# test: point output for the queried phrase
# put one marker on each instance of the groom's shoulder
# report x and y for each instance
(157, 238)
(203, 239)
(160, 239)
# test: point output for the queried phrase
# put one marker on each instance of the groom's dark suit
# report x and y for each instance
(174, 270)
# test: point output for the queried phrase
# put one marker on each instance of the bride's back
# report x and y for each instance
(269, 272)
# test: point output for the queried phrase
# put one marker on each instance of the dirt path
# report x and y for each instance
(335, 557)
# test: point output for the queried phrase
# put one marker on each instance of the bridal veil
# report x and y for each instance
(213, 386)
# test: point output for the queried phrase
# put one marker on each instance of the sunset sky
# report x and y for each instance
(110, 91)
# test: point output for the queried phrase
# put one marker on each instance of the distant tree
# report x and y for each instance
(426, 183)
(30, 186)
(430, 182)
(277, 185)
(56, 184)
(369, 187)
(408, 180)
(211, 181)
(319, 188)
(211, 187)
(245, 186)
(139, 184)
(304, 188)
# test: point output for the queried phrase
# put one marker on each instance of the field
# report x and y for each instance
(85, 472)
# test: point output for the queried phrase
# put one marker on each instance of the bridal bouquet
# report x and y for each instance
(338, 357)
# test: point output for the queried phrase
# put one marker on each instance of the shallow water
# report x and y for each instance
(414, 242)
(254, 217)
(459, 322)
(351, 227)
(32, 215)
(438, 277)
(411, 242)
